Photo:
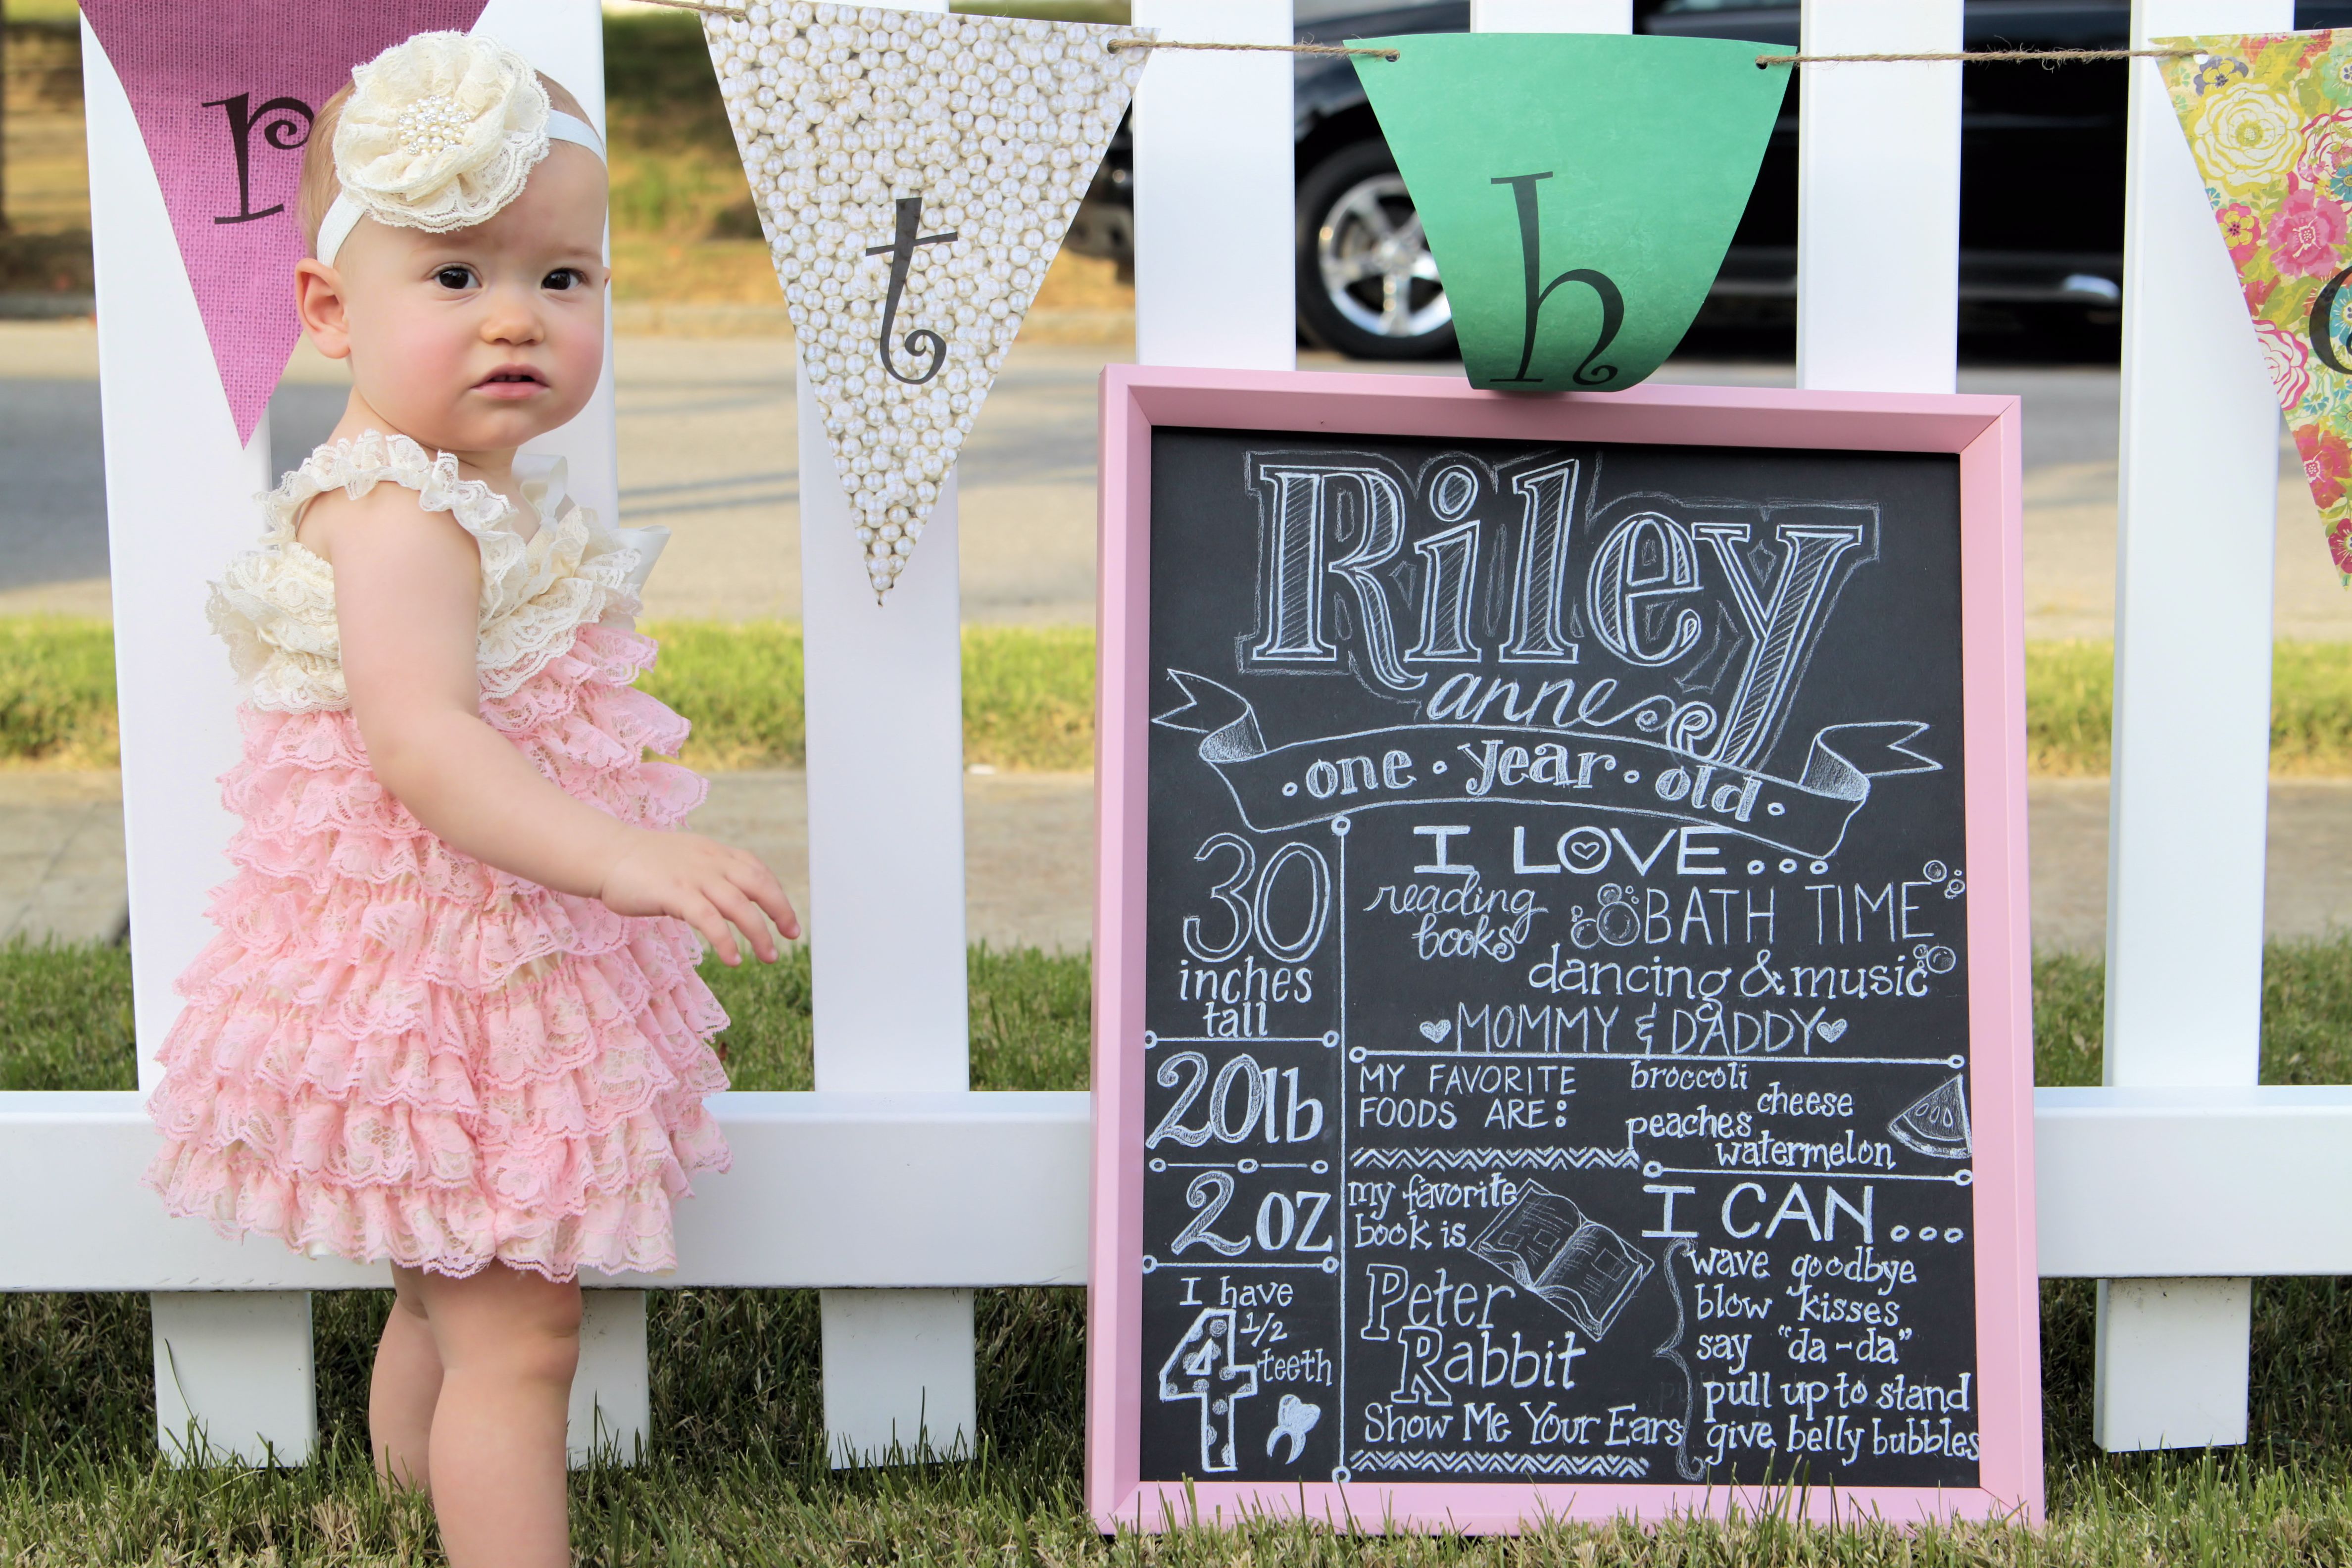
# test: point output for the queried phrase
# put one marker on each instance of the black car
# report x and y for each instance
(2042, 175)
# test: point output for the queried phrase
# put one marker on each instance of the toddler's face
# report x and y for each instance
(478, 340)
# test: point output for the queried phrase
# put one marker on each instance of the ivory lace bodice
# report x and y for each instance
(274, 607)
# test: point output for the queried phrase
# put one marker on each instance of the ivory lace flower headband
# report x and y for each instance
(440, 133)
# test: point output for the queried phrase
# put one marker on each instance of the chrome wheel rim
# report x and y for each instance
(1377, 269)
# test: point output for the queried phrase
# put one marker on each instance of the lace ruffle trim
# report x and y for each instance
(275, 605)
(610, 1216)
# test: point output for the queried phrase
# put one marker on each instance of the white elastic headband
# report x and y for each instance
(344, 213)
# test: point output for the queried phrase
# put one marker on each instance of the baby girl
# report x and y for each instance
(451, 1019)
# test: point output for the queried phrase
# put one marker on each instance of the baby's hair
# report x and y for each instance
(319, 183)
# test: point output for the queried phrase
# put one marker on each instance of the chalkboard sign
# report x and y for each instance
(1562, 1037)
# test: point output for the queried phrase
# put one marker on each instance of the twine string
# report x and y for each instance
(2047, 56)
(1117, 44)
(1114, 45)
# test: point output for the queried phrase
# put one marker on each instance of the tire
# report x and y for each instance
(1349, 207)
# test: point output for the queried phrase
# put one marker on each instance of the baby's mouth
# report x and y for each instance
(510, 381)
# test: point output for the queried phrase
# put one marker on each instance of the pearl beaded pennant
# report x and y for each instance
(914, 174)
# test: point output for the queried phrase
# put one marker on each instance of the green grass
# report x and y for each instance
(65, 1017)
(739, 686)
(2311, 708)
(56, 691)
(2069, 1016)
(735, 1472)
(1028, 698)
(2069, 706)
(1030, 1023)
(1028, 693)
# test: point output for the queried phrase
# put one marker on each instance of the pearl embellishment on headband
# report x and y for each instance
(440, 132)
(433, 126)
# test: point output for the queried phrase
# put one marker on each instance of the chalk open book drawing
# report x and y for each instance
(1551, 1249)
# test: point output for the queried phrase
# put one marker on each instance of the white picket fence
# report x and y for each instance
(894, 1189)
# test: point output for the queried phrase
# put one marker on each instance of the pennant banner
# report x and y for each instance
(224, 91)
(914, 172)
(1579, 190)
(2269, 120)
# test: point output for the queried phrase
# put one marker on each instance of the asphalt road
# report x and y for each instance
(707, 446)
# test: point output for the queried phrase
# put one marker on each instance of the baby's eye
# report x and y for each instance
(455, 278)
(563, 278)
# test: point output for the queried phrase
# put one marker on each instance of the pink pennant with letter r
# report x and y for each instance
(225, 91)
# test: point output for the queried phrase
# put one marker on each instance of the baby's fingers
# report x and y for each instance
(703, 916)
(760, 883)
(746, 916)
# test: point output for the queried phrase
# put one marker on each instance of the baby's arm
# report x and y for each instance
(407, 588)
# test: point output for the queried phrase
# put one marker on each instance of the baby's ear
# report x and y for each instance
(559, 98)
(319, 300)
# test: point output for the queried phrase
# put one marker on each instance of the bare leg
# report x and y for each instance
(404, 1387)
(509, 1343)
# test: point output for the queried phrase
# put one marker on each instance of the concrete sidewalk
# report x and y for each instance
(1029, 854)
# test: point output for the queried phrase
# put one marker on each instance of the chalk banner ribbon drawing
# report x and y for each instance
(1289, 786)
(1562, 984)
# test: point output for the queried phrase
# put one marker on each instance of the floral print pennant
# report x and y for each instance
(2269, 119)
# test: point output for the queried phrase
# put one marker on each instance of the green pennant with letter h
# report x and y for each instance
(1578, 189)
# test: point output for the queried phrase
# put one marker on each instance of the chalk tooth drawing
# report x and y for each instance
(1936, 1122)
(1292, 1418)
(1206, 1366)
(1549, 1247)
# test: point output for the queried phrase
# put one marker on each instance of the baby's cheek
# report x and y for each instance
(579, 344)
(418, 363)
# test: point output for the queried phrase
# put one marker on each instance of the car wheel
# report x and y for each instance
(1368, 285)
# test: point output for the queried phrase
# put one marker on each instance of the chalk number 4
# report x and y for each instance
(1206, 1366)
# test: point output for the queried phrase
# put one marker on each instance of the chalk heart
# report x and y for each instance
(1435, 1031)
(1833, 1031)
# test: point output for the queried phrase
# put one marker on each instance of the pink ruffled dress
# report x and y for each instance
(392, 1050)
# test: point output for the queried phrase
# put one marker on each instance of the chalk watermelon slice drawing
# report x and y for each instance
(1937, 1123)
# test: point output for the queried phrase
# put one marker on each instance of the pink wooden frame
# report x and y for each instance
(1984, 433)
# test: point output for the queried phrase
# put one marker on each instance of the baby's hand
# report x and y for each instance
(704, 883)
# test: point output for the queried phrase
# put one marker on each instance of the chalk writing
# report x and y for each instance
(1556, 966)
